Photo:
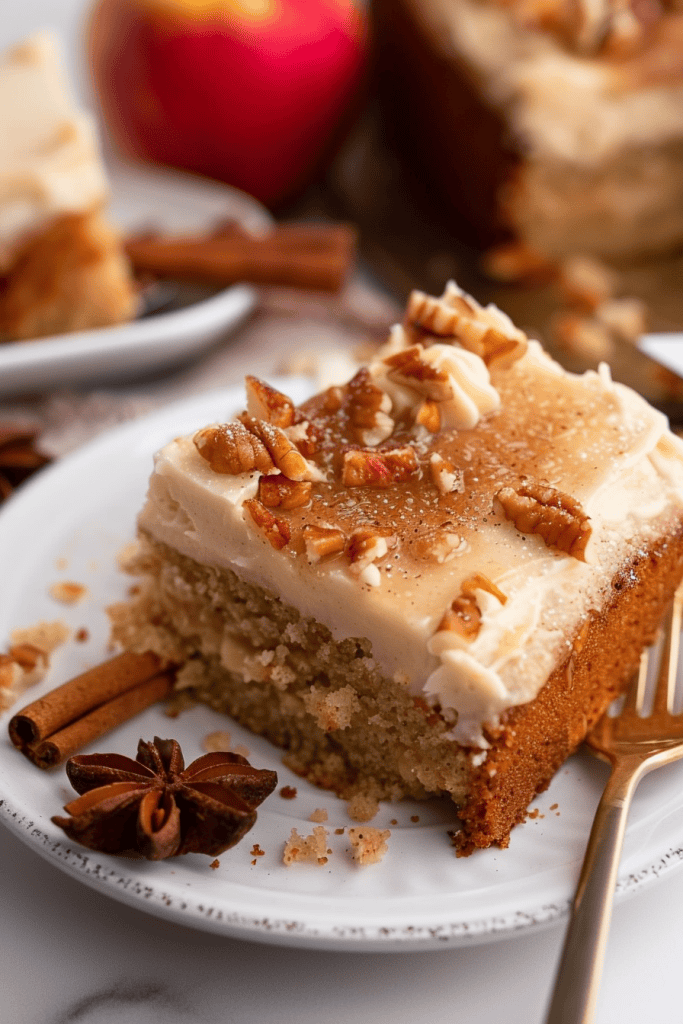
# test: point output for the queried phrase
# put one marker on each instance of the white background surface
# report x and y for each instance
(70, 954)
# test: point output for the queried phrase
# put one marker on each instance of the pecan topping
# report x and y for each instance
(429, 417)
(321, 541)
(379, 469)
(444, 474)
(247, 444)
(478, 581)
(408, 367)
(368, 407)
(487, 332)
(265, 403)
(364, 548)
(556, 517)
(276, 530)
(231, 448)
(279, 492)
(155, 806)
(284, 453)
(464, 615)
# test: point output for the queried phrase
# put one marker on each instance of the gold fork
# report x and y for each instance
(633, 745)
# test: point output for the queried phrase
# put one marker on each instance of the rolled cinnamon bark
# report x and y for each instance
(57, 747)
(303, 256)
(81, 695)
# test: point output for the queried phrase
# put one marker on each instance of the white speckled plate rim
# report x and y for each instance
(419, 897)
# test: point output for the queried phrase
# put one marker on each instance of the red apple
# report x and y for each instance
(251, 92)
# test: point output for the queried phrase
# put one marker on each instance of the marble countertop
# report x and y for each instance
(70, 954)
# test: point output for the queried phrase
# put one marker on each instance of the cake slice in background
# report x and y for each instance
(62, 267)
(431, 580)
(557, 123)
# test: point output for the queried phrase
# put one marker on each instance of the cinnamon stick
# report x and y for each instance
(81, 695)
(59, 746)
(315, 256)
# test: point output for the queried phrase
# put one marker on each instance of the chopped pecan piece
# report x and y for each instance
(278, 491)
(409, 367)
(322, 541)
(303, 434)
(265, 403)
(556, 517)
(478, 581)
(231, 448)
(429, 417)
(444, 474)
(463, 617)
(364, 548)
(436, 316)
(487, 332)
(368, 407)
(379, 469)
(285, 455)
(276, 530)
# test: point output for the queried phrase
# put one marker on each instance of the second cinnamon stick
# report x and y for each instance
(57, 747)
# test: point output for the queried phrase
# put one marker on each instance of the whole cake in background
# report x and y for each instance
(62, 266)
(556, 122)
(430, 580)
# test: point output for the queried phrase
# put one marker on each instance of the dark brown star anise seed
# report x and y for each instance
(156, 807)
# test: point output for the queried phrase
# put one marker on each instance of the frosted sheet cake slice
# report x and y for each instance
(430, 580)
(62, 265)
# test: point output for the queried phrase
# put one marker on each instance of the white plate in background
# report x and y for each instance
(144, 197)
(81, 512)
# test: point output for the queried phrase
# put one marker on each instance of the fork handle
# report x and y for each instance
(576, 986)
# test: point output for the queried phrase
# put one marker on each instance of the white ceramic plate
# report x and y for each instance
(174, 203)
(68, 523)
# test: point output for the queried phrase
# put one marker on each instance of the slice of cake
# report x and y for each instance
(430, 580)
(558, 121)
(62, 266)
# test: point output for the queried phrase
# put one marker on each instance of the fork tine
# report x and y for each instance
(666, 677)
(635, 695)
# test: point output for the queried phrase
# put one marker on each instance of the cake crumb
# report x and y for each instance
(288, 792)
(256, 851)
(215, 864)
(362, 807)
(214, 741)
(67, 592)
(319, 814)
(339, 831)
(334, 710)
(553, 807)
(48, 636)
(81, 635)
(306, 849)
(368, 845)
(415, 818)
(27, 659)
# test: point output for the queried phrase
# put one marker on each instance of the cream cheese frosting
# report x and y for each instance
(50, 162)
(585, 436)
(561, 105)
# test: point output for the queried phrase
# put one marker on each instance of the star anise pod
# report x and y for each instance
(158, 808)
(18, 457)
